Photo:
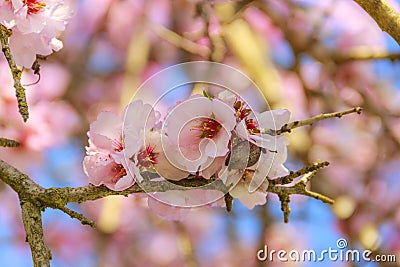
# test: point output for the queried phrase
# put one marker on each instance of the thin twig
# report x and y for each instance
(287, 179)
(4, 142)
(228, 202)
(218, 49)
(180, 41)
(318, 196)
(16, 73)
(76, 215)
(288, 127)
(285, 200)
(307, 177)
(299, 188)
(364, 54)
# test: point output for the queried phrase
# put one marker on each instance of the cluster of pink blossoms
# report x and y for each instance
(199, 137)
(35, 25)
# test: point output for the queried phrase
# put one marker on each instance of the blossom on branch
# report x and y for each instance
(103, 163)
(199, 130)
(118, 148)
(201, 137)
(35, 25)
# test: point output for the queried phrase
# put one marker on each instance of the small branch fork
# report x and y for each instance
(298, 188)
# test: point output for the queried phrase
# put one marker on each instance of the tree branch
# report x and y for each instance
(76, 215)
(35, 198)
(364, 54)
(181, 42)
(16, 73)
(298, 188)
(57, 198)
(387, 18)
(32, 219)
(323, 116)
(287, 179)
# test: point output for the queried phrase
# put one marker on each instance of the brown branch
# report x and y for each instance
(364, 54)
(4, 142)
(91, 192)
(57, 198)
(35, 198)
(292, 175)
(16, 73)
(285, 200)
(32, 219)
(299, 188)
(218, 49)
(76, 215)
(323, 116)
(387, 18)
(25, 187)
(180, 41)
(228, 202)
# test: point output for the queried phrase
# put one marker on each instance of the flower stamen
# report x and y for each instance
(252, 126)
(119, 171)
(241, 110)
(208, 127)
(147, 157)
(118, 144)
(34, 6)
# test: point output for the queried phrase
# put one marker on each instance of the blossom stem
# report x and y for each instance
(16, 73)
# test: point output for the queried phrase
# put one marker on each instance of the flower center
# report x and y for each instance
(147, 157)
(252, 126)
(119, 172)
(118, 144)
(241, 110)
(208, 128)
(34, 6)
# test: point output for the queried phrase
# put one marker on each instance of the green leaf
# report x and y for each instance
(207, 95)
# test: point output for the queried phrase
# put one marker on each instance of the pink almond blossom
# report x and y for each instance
(253, 126)
(103, 162)
(199, 129)
(35, 26)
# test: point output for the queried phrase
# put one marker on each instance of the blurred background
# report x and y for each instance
(307, 56)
